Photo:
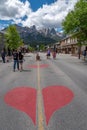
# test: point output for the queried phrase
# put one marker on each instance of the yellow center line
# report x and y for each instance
(40, 108)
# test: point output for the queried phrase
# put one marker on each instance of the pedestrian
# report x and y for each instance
(48, 53)
(21, 58)
(84, 54)
(37, 57)
(3, 54)
(54, 54)
(16, 60)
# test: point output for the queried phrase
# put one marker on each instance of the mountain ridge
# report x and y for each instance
(32, 36)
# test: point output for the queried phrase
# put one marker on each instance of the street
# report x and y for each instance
(47, 95)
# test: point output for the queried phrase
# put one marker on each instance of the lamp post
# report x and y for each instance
(37, 47)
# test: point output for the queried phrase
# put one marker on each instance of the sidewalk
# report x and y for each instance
(74, 56)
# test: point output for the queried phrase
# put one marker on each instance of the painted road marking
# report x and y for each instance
(40, 66)
(49, 100)
(23, 99)
(39, 97)
(55, 97)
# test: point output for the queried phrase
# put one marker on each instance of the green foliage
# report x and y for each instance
(13, 38)
(42, 47)
(31, 48)
(75, 22)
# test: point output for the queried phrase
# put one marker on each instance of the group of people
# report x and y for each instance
(18, 60)
(17, 57)
(54, 52)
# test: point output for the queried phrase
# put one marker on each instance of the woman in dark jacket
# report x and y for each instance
(21, 57)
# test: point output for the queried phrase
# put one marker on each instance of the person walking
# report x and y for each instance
(16, 60)
(48, 54)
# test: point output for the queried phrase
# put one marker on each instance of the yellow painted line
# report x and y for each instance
(40, 108)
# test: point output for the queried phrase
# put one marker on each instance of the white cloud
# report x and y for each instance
(47, 16)
(50, 15)
(12, 9)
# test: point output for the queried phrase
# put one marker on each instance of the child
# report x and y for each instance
(37, 57)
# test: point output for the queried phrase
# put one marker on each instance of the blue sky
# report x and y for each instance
(41, 13)
(35, 4)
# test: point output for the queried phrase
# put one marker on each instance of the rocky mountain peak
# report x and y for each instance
(31, 35)
(52, 31)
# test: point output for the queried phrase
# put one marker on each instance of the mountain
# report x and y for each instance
(34, 37)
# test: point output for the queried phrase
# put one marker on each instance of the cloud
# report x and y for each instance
(47, 16)
(12, 9)
(50, 15)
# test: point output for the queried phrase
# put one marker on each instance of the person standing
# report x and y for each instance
(84, 53)
(3, 54)
(54, 54)
(16, 60)
(21, 57)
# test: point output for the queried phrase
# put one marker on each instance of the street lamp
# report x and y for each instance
(37, 47)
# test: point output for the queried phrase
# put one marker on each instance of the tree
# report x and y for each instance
(42, 47)
(75, 23)
(13, 40)
(31, 48)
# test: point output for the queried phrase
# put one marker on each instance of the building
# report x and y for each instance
(69, 45)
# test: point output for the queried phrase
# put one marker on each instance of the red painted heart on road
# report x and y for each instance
(55, 97)
(23, 99)
(40, 66)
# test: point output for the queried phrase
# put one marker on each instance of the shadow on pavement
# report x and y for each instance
(26, 70)
(0, 60)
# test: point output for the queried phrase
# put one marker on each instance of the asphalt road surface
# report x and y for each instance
(47, 95)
